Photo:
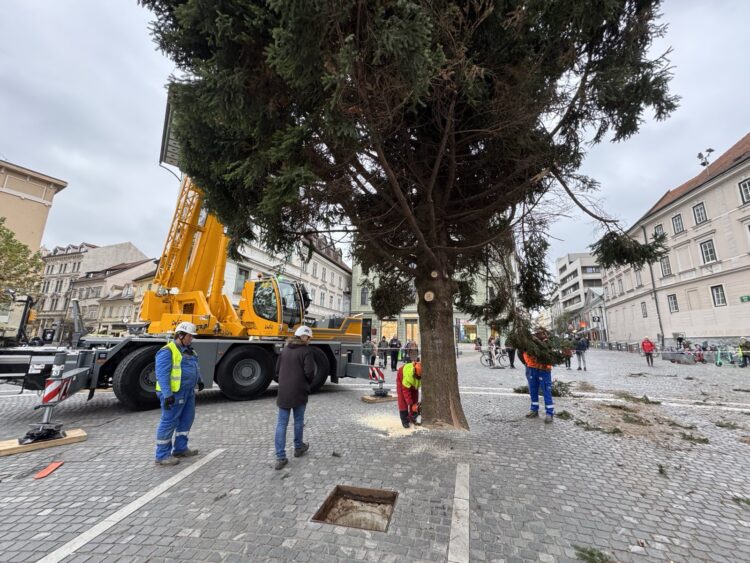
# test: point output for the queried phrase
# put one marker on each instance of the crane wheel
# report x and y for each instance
(245, 372)
(134, 380)
(322, 367)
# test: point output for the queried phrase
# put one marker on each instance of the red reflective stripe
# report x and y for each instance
(52, 389)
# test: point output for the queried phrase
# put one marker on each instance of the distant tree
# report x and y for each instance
(439, 135)
(20, 268)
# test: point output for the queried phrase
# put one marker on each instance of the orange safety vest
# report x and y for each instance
(532, 363)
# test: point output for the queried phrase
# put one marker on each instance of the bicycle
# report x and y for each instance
(500, 359)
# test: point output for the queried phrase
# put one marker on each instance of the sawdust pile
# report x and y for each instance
(388, 424)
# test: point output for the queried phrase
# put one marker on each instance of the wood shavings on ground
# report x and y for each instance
(388, 424)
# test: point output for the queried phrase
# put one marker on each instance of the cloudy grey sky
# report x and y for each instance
(82, 99)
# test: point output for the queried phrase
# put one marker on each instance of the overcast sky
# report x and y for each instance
(82, 99)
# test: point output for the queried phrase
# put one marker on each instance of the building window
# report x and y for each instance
(699, 212)
(606, 292)
(339, 303)
(323, 277)
(322, 298)
(243, 275)
(364, 296)
(332, 282)
(590, 269)
(666, 268)
(341, 282)
(644, 312)
(638, 281)
(315, 269)
(619, 286)
(304, 266)
(677, 224)
(672, 300)
(330, 301)
(745, 190)
(717, 293)
(658, 229)
(312, 295)
(708, 251)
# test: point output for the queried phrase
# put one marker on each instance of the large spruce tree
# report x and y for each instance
(432, 131)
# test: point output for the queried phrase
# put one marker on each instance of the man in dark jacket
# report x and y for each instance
(395, 346)
(295, 370)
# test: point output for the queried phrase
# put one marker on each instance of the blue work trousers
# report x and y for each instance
(540, 378)
(175, 423)
(281, 424)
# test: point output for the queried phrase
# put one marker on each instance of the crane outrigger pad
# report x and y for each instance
(12, 447)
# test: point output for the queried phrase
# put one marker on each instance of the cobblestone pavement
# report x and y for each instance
(538, 492)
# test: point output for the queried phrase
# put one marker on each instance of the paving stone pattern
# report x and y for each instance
(537, 491)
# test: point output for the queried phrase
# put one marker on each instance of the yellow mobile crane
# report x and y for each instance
(237, 350)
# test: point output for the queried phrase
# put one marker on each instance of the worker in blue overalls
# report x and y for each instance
(177, 375)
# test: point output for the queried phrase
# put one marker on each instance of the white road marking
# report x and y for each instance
(71, 547)
(458, 548)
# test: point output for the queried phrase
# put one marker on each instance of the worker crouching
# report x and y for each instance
(408, 382)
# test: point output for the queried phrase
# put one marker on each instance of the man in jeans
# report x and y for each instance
(581, 346)
(295, 370)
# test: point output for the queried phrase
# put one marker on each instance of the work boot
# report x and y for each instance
(167, 461)
(532, 414)
(584, 369)
(405, 423)
(548, 418)
(579, 369)
(280, 463)
(299, 452)
(186, 453)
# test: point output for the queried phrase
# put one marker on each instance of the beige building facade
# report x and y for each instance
(701, 289)
(26, 197)
(326, 276)
(63, 265)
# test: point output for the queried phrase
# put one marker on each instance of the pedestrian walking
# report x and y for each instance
(648, 350)
(412, 350)
(295, 370)
(408, 382)
(395, 346)
(177, 375)
(373, 354)
(743, 351)
(383, 351)
(539, 375)
(367, 352)
(511, 351)
(581, 346)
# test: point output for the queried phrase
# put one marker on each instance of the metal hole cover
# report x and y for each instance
(355, 507)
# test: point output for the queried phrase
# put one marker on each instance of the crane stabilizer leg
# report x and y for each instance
(57, 388)
(373, 373)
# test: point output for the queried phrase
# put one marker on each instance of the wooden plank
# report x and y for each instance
(372, 399)
(49, 469)
(12, 447)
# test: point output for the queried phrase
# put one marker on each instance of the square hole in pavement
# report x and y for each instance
(355, 507)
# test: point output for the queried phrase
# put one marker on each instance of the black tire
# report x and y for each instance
(322, 367)
(245, 373)
(134, 380)
(485, 360)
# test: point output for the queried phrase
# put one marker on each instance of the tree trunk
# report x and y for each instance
(441, 401)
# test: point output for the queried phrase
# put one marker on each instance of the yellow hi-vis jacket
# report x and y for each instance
(408, 380)
(175, 376)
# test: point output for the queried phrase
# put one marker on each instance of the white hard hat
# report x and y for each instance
(303, 331)
(187, 328)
